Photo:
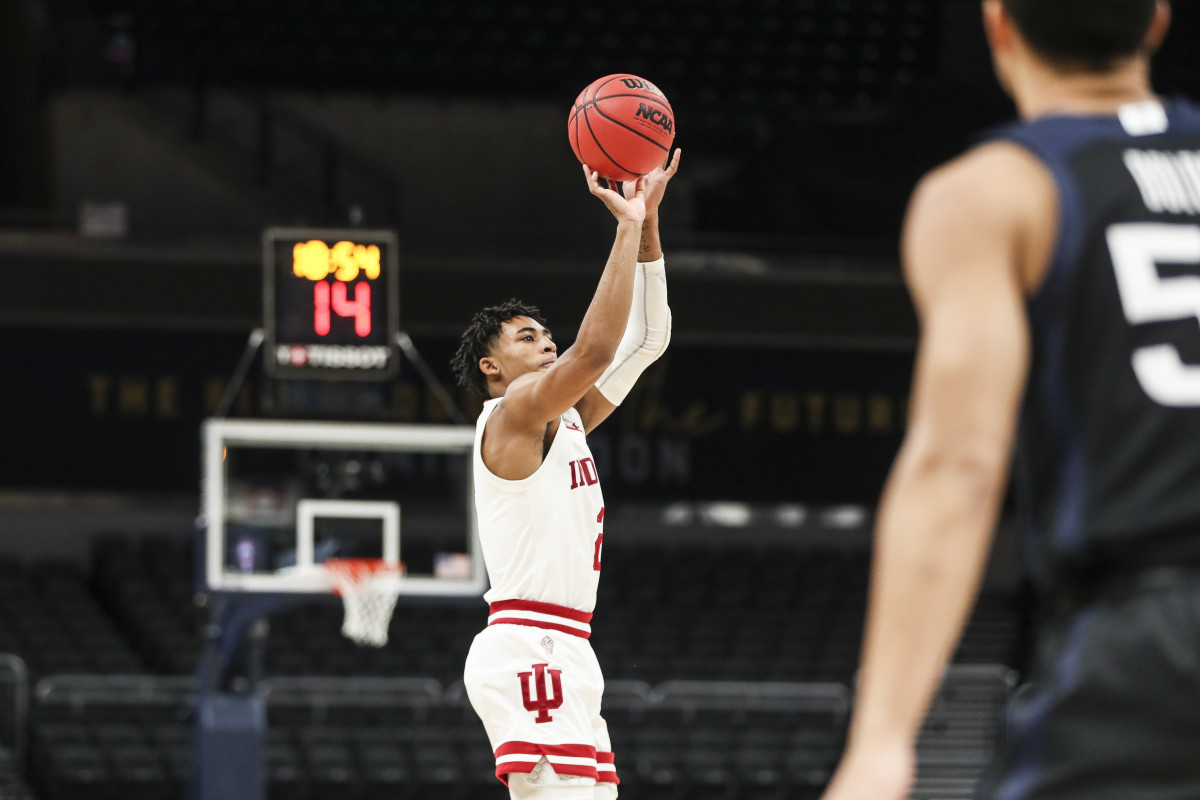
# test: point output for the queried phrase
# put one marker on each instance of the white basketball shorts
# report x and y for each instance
(538, 691)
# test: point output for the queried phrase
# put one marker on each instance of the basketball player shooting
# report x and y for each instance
(1053, 267)
(531, 674)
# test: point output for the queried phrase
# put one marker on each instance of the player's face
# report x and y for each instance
(526, 346)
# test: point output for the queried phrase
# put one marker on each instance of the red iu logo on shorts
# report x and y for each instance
(538, 698)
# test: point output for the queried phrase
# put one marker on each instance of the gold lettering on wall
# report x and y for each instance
(785, 412)
(133, 397)
(751, 409)
(166, 397)
(98, 387)
(880, 417)
(847, 413)
(818, 412)
(214, 391)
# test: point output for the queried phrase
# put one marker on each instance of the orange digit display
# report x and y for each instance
(331, 305)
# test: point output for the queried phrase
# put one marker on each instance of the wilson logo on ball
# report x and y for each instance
(621, 126)
(638, 83)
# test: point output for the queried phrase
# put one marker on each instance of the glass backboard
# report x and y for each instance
(280, 497)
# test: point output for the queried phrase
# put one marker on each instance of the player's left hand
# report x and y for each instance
(656, 183)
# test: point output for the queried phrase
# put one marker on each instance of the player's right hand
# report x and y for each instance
(625, 209)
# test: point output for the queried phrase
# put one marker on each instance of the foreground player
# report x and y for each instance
(1062, 253)
(531, 674)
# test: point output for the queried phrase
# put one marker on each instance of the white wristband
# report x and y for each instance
(647, 333)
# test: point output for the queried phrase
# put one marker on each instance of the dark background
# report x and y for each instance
(145, 145)
(805, 125)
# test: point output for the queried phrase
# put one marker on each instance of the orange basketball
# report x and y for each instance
(621, 126)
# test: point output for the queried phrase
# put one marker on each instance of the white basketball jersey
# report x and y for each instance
(542, 535)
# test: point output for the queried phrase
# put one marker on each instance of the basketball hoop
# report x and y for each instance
(369, 588)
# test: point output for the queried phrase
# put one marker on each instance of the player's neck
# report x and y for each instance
(1043, 90)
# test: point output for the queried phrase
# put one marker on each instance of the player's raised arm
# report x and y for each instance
(541, 396)
(648, 331)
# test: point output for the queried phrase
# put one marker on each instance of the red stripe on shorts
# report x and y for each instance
(606, 775)
(541, 608)
(533, 748)
(535, 752)
(533, 623)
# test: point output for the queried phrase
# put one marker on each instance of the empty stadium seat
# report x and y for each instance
(787, 615)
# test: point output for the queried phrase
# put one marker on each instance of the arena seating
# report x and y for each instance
(663, 613)
(50, 618)
(12, 781)
(105, 737)
(964, 727)
(412, 738)
(728, 673)
(748, 57)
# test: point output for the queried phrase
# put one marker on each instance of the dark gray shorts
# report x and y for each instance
(1112, 708)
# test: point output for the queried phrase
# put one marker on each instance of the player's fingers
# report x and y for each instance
(593, 180)
(673, 161)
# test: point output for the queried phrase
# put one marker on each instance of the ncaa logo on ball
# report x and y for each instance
(654, 116)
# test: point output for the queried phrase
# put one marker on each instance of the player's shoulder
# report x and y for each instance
(994, 206)
(995, 192)
(509, 412)
(996, 177)
(516, 395)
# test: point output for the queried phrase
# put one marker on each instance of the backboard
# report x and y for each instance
(279, 497)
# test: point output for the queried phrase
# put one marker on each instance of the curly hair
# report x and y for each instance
(479, 338)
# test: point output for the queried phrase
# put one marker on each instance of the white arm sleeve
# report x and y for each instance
(647, 333)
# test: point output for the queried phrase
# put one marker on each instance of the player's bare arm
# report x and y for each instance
(977, 233)
(650, 247)
(521, 429)
(594, 407)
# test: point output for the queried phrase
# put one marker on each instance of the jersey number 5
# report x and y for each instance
(1146, 296)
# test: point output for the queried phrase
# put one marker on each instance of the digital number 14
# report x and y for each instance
(329, 297)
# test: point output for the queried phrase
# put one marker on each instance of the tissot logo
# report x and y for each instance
(656, 116)
(325, 356)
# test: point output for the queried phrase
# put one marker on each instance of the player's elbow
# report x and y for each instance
(653, 343)
(659, 339)
(975, 465)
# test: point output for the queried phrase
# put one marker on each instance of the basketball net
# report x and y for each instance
(369, 588)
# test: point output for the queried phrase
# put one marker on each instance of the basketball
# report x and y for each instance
(621, 126)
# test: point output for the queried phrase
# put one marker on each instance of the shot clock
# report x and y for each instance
(330, 303)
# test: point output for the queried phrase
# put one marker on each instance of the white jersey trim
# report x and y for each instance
(519, 484)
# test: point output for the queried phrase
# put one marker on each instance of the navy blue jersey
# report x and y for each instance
(1108, 457)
